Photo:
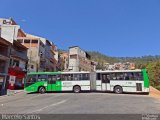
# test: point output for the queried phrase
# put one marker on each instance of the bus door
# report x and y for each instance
(105, 82)
(54, 83)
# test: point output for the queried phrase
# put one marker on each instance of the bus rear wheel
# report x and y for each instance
(118, 90)
(42, 90)
(76, 89)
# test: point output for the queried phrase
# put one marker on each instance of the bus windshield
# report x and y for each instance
(31, 79)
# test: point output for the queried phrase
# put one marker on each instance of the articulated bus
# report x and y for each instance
(117, 81)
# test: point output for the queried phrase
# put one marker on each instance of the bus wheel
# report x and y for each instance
(42, 90)
(76, 89)
(118, 89)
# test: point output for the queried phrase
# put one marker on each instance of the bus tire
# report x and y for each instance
(42, 90)
(118, 89)
(76, 89)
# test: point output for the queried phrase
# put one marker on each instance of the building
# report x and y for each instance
(50, 49)
(10, 30)
(120, 66)
(35, 53)
(79, 60)
(5, 47)
(18, 64)
(64, 60)
(41, 53)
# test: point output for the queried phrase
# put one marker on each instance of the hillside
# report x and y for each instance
(99, 57)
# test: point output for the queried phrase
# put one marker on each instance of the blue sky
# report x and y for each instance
(112, 27)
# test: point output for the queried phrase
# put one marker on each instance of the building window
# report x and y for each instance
(20, 40)
(34, 41)
(15, 63)
(27, 41)
(32, 66)
(73, 56)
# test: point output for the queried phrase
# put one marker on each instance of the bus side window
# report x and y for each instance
(58, 77)
(66, 77)
(62, 77)
(113, 76)
(42, 77)
(54, 78)
(75, 76)
(105, 78)
(130, 76)
(126, 76)
(138, 76)
(85, 76)
(49, 79)
(121, 76)
(80, 76)
(70, 77)
(98, 76)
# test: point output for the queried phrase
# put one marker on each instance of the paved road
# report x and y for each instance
(83, 103)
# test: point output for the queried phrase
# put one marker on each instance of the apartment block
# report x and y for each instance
(50, 52)
(35, 53)
(41, 53)
(79, 60)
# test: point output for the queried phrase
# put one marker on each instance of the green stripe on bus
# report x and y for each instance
(146, 79)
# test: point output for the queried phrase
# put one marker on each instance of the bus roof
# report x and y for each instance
(106, 71)
(34, 73)
(31, 73)
(75, 72)
(111, 71)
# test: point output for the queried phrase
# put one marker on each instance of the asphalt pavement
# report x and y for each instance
(81, 103)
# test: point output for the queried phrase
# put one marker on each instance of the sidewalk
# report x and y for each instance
(154, 92)
(12, 92)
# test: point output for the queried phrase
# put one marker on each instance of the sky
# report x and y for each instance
(113, 27)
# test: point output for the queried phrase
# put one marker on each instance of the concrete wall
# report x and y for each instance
(9, 32)
(78, 60)
(33, 58)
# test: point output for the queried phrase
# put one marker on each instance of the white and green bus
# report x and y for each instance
(118, 81)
